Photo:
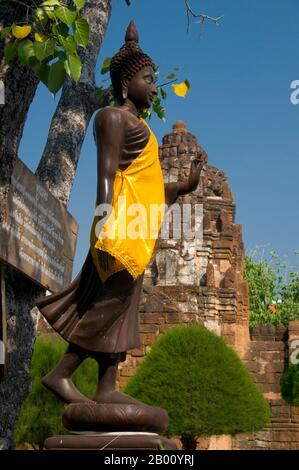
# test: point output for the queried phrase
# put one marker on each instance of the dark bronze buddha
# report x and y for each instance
(98, 313)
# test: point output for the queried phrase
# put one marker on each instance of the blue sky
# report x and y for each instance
(238, 106)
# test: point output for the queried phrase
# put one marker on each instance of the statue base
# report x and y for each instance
(115, 441)
(113, 417)
(112, 426)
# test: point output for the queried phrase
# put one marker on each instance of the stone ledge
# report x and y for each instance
(110, 441)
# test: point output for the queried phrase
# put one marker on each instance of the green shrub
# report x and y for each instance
(202, 384)
(40, 415)
(273, 290)
(290, 384)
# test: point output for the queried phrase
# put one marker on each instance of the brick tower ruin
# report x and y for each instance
(203, 283)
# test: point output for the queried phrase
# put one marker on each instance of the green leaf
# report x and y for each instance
(107, 62)
(68, 44)
(188, 84)
(79, 4)
(67, 68)
(25, 51)
(106, 65)
(177, 69)
(33, 62)
(163, 93)
(41, 14)
(66, 14)
(61, 54)
(75, 66)
(60, 29)
(51, 3)
(57, 53)
(56, 76)
(10, 51)
(146, 114)
(44, 49)
(41, 19)
(170, 76)
(158, 109)
(156, 101)
(48, 7)
(50, 11)
(81, 32)
(100, 92)
(5, 32)
(111, 100)
(42, 72)
(161, 113)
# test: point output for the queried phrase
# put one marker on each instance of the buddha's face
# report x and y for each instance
(141, 89)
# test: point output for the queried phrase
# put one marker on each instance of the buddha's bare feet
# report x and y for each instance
(64, 389)
(115, 397)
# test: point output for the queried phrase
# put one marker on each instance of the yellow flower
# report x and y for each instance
(273, 308)
(39, 37)
(20, 32)
(181, 89)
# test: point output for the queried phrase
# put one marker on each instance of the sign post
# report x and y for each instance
(37, 233)
(37, 238)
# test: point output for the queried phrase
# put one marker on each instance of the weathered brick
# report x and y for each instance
(259, 346)
(285, 436)
(277, 366)
(281, 411)
(173, 151)
(153, 317)
(276, 346)
(272, 356)
(153, 307)
(189, 318)
(148, 338)
(128, 372)
(167, 326)
(266, 387)
(122, 382)
(137, 352)
(252, 366)
(148, 328)
(174, 317)
(268, 378)
(251, 356)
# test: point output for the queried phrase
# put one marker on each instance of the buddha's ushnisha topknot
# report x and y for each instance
(132, 33)
(128, 61)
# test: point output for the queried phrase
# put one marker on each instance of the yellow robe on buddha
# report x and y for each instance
(141, 183)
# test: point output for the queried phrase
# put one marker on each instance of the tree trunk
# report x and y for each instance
(77, 104)
(56, 170)
(21, 294)
(20, 85)
(189, 442)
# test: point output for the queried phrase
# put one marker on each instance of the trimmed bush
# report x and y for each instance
(203, 385)
(40, 415)
(290, 384)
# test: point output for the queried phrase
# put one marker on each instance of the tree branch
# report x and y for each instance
(202, 17)
(167, 83)
(78, 101)
(22, 4)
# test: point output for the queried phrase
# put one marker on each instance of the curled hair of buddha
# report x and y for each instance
(128, 61)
